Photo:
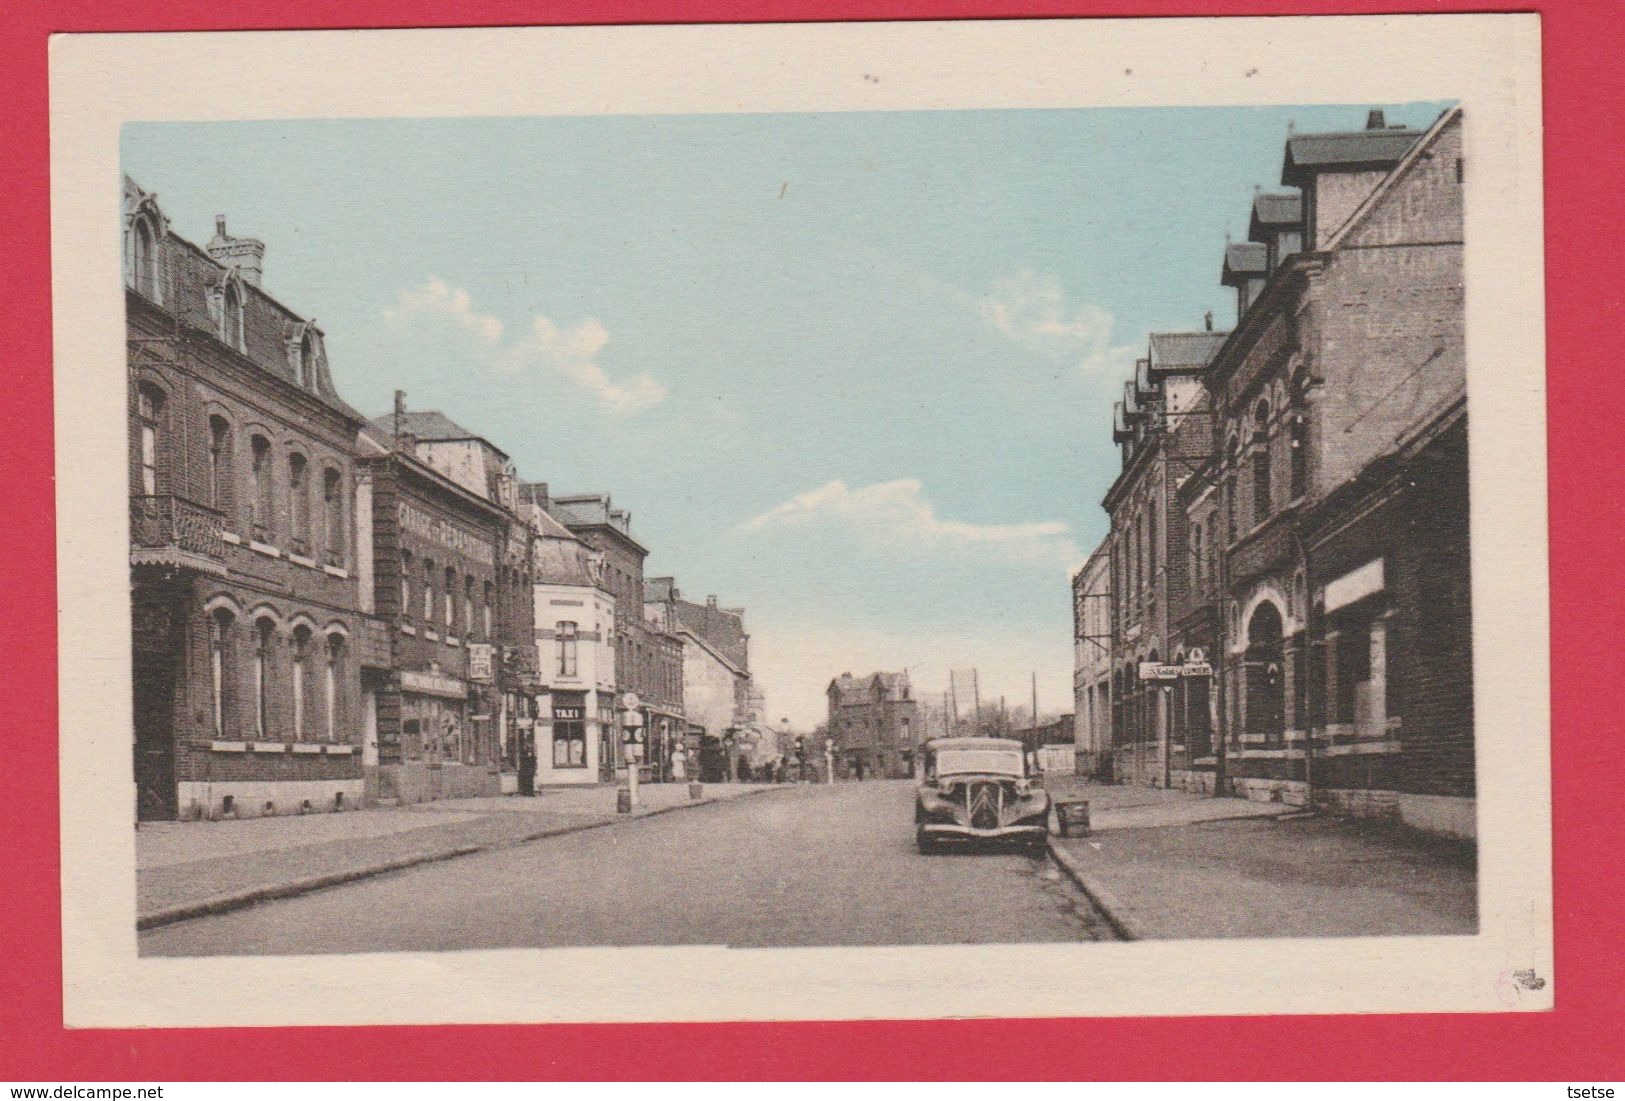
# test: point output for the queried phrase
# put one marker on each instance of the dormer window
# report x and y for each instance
(231, 315)
(144, 258)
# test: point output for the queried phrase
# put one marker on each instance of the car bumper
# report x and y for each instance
(948, 830)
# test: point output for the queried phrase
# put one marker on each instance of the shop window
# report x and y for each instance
(1352, 674)
(565, 642)
(569, 738)
(220, 465)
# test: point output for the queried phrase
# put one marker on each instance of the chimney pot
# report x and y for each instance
(1374, 121)
(220, 225)
(1207, 319)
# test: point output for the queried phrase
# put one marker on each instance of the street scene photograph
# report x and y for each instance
(823, 529)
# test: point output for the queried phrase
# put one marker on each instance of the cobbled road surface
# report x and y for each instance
(810, 865)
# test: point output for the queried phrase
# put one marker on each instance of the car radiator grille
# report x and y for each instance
(986, 801)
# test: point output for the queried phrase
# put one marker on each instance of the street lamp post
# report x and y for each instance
(631, 726)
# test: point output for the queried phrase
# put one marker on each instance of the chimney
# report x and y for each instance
(1207, 320)
(1374, 121)
(243, 253)
(711, 603)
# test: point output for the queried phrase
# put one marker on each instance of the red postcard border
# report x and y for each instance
(1585, 209)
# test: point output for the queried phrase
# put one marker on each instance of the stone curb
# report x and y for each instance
(1110, 907)
(238, 900)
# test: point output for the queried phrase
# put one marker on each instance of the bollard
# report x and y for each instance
(695, 789)
(623, 800)
(1074, 817)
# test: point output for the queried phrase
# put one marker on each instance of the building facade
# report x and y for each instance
(648, 661)
(244, 601)
(1308, 566)
(437, 556)
(1092, 664)
(874, 721)
(575, 733)
(1163, 425)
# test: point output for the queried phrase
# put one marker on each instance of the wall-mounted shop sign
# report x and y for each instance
(447, 534)
(479, 661)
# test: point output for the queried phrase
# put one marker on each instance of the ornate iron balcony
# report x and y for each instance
(171, 531)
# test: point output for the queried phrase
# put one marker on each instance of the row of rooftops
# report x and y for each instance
(847, 690)
(1278, 227)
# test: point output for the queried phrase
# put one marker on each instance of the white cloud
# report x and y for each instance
(569, 351)
(1033, 311)
(897, 514)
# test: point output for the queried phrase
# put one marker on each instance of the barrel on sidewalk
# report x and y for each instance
(1073, 816)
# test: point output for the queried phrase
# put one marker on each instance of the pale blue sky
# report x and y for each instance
(851, 371)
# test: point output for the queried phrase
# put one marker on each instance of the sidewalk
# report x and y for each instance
(1176, 865)
(185, 869)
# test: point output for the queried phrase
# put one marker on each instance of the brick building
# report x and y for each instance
(439, 565)
(648, 661)
(874, 721)
(720, 698)
(1092, 663)
(575, 734)
(1330, 578)
(244, 599)
(1164, 426)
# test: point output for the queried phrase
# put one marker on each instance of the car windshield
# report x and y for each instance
(1007, 761)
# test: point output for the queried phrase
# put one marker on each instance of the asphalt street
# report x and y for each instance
(802, 866)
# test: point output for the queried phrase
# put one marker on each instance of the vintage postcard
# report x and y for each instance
(824, 521)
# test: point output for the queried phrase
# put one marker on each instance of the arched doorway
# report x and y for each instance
(1266, 681)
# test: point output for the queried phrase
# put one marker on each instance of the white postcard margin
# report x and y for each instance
(1490, 63)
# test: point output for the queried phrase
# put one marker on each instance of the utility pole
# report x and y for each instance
(1035, 699)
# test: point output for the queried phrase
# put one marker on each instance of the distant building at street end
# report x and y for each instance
(875, 723)
(720, 700)
(1092, 664)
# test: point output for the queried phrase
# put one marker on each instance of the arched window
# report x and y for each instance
(1261, 463)
(1300, 455)
(231, 316)
(333, 515)
(299, 502)
(1232, 488)
(144, 258)
(406, 583)
(220, 464)
(305, 363)
(428, 593)
(1266, 679)
(263, 635)
(301, 679)
(485, 613)
(468, 606)
(221, 668)
(259, 486)
(448, 610)
(330, 684)
(149, 405)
